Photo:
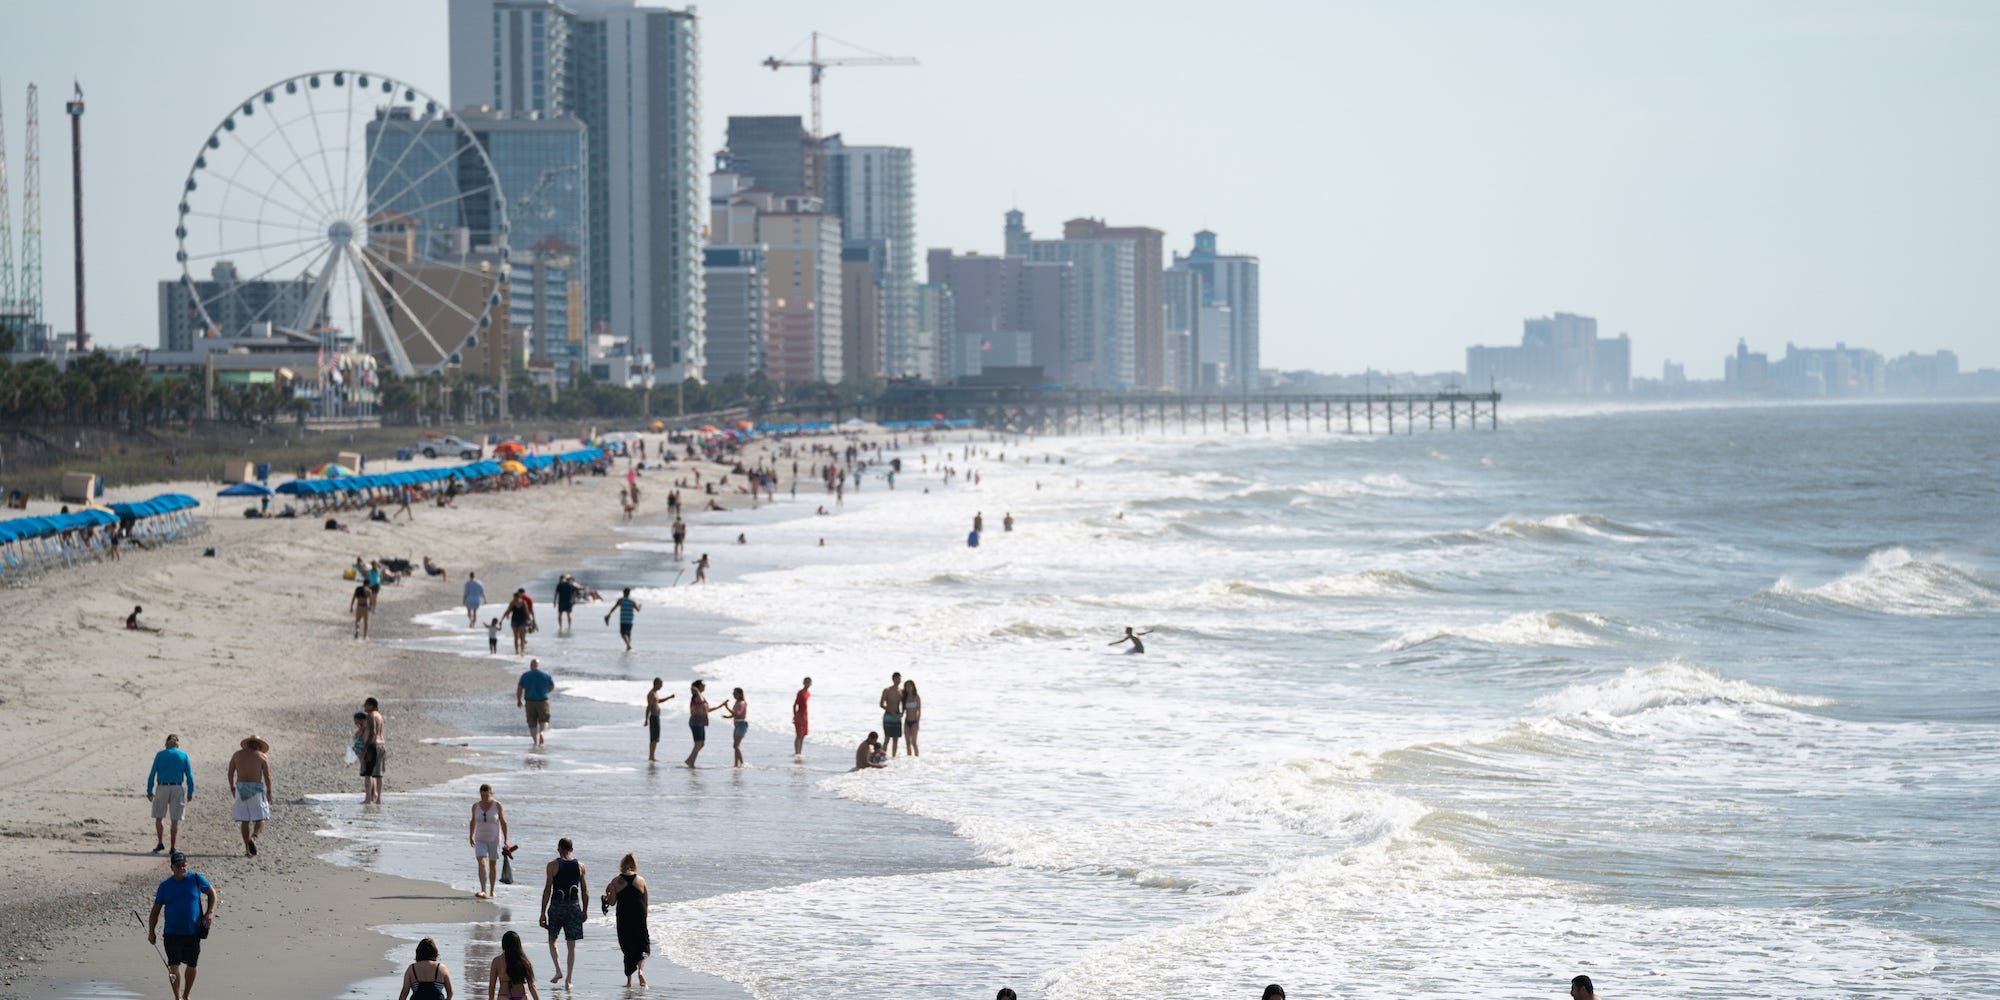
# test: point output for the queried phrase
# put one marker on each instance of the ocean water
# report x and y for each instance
(1699, 702)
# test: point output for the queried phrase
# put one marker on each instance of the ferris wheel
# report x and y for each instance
(344, 202)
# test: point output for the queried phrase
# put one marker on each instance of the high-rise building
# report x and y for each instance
(543, 167)
(861, 299)
(512, 55)
(238, 306)
(545, 311)
(737, 286)
(1181, 290)
(1149, 366)
(1098, 352)
(1007, 312)
(935, 316)
(1559, 354)
(1228, 280)
(873, 190)
(778, 152)
(630, 74)
(803, 241)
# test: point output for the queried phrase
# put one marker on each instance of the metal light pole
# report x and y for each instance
(75, 107)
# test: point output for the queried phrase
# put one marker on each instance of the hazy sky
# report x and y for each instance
(1416, 176)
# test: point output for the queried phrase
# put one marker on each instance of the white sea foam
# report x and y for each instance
(1893, 581)
(1674, 683)
(1555, 528)
(1535, 628)
(1326, 926)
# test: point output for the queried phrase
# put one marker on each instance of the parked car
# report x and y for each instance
(448, 445)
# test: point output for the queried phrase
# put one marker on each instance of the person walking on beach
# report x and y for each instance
(189, 902)
(511, 975)
(629, 893)
(493, 637)
(626, 608)
(564, 888)
(169, 787)
(358, 605)
(566, 589)
(426, 978)
(891, 704)
(652, 720)
(487, 833)
(532, 693)
(913, 708)
(374, 752)
(979, 522)
(701, 569)
(250, 776)
(697, 719)
(475, 596)
(520, 617)
(1133, 638)
(739, 710)
(799, 718)
(680, 537)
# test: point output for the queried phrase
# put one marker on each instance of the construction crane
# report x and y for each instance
(818, 66)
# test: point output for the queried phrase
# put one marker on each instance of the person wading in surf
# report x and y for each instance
(1133, 638)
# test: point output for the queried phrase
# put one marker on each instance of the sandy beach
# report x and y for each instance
(253, 640)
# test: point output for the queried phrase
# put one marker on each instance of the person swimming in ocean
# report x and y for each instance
(1133, 638)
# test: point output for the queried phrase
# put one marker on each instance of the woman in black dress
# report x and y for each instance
(628, 892)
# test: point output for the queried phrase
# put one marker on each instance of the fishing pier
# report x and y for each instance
(1086, 411)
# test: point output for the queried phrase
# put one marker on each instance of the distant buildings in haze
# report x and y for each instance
(1559, 355)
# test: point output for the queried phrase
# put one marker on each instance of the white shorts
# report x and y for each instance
(170, 802)
(486, 849)
(251, 802)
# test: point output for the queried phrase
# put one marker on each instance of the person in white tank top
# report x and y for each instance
(487, 833)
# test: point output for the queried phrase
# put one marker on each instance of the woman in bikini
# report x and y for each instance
(511, 976)
(913, 708)
(426, 978)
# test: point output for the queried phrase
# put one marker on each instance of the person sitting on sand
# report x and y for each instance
(433, 569)
(1133, 638)
(869, 753)
(133, 623)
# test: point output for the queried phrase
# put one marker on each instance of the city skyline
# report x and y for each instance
(1802, 173)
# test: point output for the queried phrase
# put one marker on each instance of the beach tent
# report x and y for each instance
(246, 489)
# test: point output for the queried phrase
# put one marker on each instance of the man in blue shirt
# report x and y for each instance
(532, 693)
(187, 921)
(626, 608)
(169, 787)
(475, 595)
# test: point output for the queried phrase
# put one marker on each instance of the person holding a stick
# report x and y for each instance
(181, 896)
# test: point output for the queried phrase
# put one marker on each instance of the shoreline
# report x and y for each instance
(191, 678)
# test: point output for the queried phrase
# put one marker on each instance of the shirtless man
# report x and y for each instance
(1133, 638)
(680, 537)
(891, 704)
(652, 719)
(865, 754)
(250, 781)
(374, 752)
